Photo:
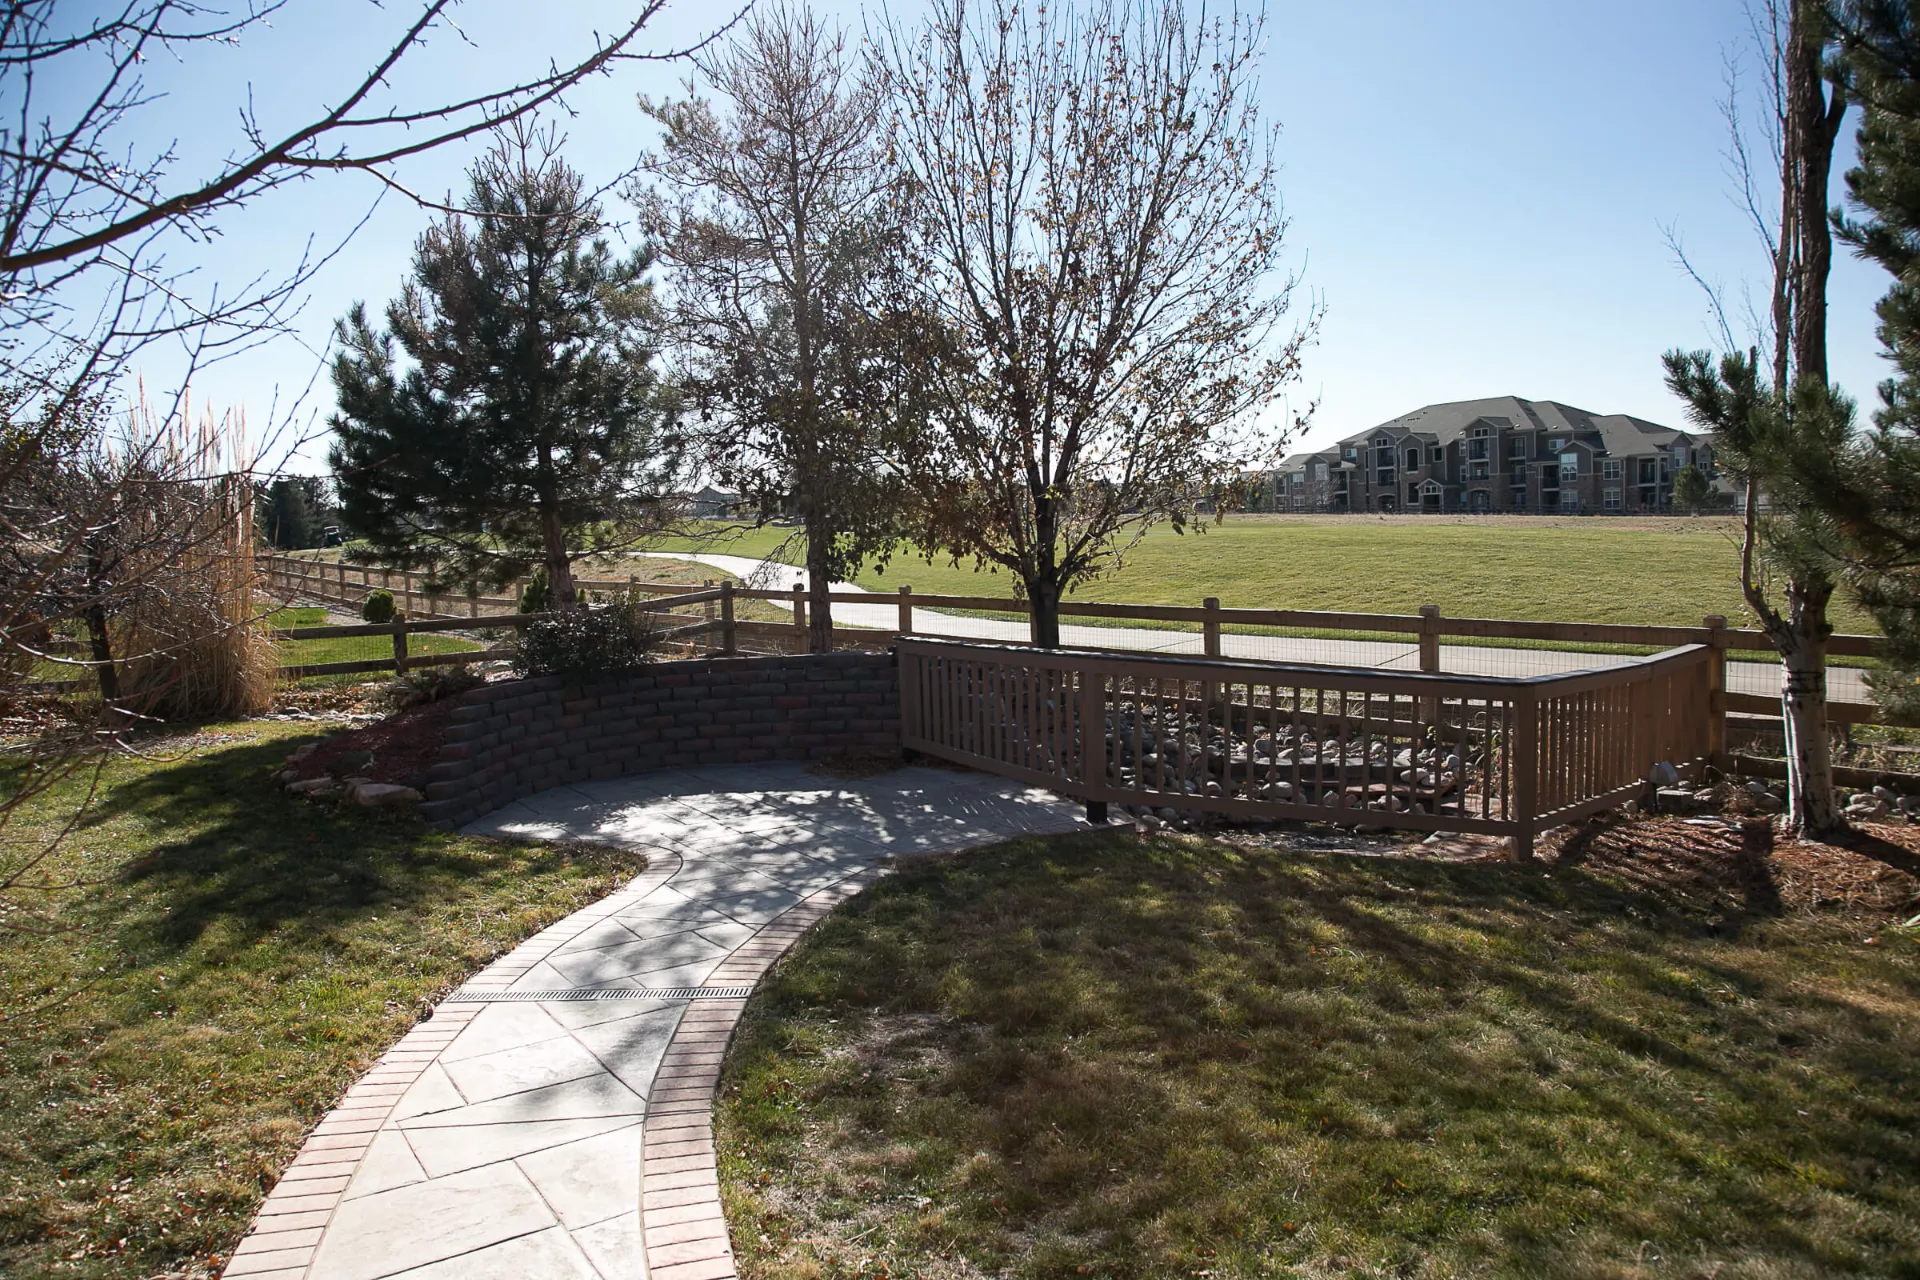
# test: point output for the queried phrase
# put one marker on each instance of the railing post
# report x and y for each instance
(727, 635)
(1430, 657)
(1093, 741)
(399, 646)
(1526, 771)
(1210, 626)
(1716, 625)
(906, 610)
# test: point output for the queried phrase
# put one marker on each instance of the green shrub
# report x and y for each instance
(594, 643)
(538, 596)
(377, 607)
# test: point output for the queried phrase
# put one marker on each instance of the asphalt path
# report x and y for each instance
(1762, 679)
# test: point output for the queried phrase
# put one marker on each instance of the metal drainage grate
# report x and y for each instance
(464, 996)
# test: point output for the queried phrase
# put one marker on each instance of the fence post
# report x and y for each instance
(706, 611)
(906, 610)
(343, 582)
(1210, 626)
(399, 646)
(1430, 638)
(727, 644)
(1526, 771)
(1716, 625)
(800, 609)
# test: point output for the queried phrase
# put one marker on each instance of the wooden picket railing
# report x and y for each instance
(1490, 755)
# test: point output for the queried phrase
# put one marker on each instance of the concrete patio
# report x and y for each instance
(552, 1119)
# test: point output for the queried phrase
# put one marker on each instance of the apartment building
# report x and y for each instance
(1501, 455)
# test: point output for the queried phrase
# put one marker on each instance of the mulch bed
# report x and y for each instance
(403, 746)
(1739, 866)
(1720, 865)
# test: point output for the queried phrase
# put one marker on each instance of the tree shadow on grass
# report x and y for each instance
(1519, 1003)
(250, 860)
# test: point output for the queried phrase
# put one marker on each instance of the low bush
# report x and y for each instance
(377, 607)
(430, 684)
(596, 642)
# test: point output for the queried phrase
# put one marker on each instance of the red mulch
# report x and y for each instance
(1742, 867)
(403, 745)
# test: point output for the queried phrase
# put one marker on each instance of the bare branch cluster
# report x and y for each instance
(1101, 230)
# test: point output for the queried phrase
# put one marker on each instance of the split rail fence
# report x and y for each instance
(1503, 756)
(1425, 642)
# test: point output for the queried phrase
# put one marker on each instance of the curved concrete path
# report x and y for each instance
(1761, 679)
(552, 1120)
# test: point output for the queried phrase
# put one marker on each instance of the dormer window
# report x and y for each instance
(1556, 444)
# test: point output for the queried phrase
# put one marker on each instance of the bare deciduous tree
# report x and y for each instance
(1769, 431)
(774, 211)
(1100, 232)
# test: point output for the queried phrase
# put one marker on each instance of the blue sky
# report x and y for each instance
(1478, 189)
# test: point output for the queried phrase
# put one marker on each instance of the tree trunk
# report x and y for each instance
(1802, 644)
(553, 540)
(819, 584)
(99, 642)
(1043, 598)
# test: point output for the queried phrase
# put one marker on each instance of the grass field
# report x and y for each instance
(1124, 1058)
(237, 958)
(1658, 571)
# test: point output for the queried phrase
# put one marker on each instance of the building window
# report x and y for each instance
(1413, 459)
(1519, 473)
(1556, 444)
(1569, 465)
(1679, 455)
(1613, 499)
(1478, 444)
(1517, 447)
(1436, 453)
(1569, 499)
(1610, 469)
(1479, 471)
(1649, 470)
(1518, 500)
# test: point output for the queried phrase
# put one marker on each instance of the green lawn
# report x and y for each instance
(1670, 572)
(1117, 1057)
(240, 957)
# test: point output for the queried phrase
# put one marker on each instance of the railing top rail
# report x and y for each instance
(1191, 667)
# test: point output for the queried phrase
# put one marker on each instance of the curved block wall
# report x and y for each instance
(509, 740)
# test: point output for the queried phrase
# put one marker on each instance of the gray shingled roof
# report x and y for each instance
(1619, 434)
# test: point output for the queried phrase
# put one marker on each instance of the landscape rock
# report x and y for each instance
(385, 795)
(313, 787)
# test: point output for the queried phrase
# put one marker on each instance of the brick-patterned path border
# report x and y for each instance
(510, 1136)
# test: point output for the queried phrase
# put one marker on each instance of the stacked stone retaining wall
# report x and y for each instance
(509, 740)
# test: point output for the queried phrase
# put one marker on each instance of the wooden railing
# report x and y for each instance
(1489, 755)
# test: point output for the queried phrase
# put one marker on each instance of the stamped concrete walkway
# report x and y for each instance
(552, 1120)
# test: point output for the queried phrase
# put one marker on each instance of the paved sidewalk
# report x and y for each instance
(552, 1119)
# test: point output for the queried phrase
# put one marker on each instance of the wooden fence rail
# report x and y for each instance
(1428, 629)
(1490, 755)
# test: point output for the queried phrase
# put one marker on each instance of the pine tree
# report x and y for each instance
(287, 518)
(525, 426)
(1872, 494)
